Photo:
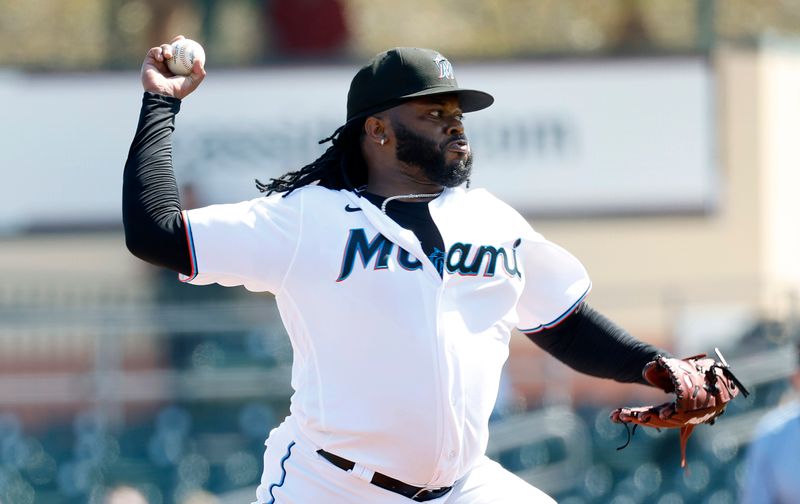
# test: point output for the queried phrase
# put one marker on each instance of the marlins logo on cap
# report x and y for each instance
(445, 68)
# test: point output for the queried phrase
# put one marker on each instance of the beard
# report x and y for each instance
(416, 150)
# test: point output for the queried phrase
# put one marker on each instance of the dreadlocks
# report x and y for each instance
(341, 166)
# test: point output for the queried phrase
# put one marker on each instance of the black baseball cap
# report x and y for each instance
(403, 73)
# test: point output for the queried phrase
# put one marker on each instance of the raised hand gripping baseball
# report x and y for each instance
(157, 78)
(703, 388)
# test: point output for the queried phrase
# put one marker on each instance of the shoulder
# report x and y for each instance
(308, 195)
(276, 206)
(485, 205)
(481, 195)
(481, 200)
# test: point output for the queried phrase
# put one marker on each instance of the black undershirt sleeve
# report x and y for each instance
(589, 343)
(154, 229)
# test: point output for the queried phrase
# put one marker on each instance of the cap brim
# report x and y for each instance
(470, 100)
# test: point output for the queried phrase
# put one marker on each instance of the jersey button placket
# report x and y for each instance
(452, 400)
(444, 403)
(448, 446)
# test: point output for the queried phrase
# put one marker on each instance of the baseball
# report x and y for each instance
(184, 52)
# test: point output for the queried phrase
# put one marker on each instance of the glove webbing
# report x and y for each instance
(686, 430)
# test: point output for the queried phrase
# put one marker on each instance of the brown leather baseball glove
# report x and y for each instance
(702, 386)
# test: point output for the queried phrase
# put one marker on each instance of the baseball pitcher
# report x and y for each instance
(398, 286)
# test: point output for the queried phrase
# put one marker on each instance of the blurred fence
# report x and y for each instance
(100, 386)
(173, 390)
(571, 452)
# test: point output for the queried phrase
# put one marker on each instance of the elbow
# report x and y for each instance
(132, 245)
(135, 244)
(132, 228)
(157, 246)
(138, 235)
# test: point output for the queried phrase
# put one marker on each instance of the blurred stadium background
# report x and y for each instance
(655, 139)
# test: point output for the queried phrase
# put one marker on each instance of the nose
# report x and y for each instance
(455, 127)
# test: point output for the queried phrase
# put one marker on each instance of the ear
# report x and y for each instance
(375, 130)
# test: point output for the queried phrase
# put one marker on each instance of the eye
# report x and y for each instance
(436, 113)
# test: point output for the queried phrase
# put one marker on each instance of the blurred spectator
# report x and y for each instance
(125, 495)
(162, 18)
(773, 459)
(632, 34)
(199, 497)
(308, 27)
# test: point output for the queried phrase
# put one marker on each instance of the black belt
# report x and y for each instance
(418, 494)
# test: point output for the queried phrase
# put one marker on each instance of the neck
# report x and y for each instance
(387, 176)
(397, 193)
(401, 183)
(421, 197)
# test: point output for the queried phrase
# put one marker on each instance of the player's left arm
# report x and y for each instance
(552, 307)
(592, 344)
(554, 315)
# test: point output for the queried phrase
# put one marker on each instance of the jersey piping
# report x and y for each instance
(296, 245)
(560, 318)
(190, 244)
(283, 473)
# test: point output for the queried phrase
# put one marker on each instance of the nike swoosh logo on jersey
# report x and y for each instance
(348, 208)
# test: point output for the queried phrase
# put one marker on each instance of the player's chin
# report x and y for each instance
(458, 173)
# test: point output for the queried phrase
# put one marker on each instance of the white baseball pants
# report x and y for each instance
(295, 474)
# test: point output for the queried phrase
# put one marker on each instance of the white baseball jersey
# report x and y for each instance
(395, 367)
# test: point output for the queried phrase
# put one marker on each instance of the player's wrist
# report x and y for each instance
(158, 99)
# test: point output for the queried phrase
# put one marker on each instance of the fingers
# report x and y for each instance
(160, 53)
(193, 80)
(197, 75)
(164, 51)
(153, 66)
(156, 76)
(199, 67)
(155, 54)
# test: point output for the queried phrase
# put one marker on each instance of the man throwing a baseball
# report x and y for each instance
(398, 287)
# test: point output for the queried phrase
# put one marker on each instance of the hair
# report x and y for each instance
(341, 166)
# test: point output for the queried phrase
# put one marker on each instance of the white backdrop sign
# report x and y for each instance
(563, 138)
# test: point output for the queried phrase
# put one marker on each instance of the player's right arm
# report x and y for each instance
(251, 243)
(151, 210)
